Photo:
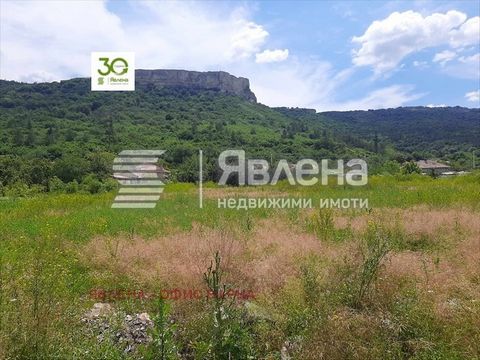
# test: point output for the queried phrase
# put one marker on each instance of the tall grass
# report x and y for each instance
(229, 338)
(163, 346)
(323, 306)
(376, 247)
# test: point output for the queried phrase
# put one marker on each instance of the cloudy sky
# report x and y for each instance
(325, 55)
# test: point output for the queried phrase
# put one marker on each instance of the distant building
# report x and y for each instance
(432, 167)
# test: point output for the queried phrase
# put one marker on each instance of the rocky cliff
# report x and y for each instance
(209, 80)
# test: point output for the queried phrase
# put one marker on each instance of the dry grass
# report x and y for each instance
(177, 260)
(440, 285)
(267, 257)
(261, 262)
(450, 278)
(344, 336)
(416, 220)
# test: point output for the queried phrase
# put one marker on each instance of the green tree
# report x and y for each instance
(71, 167)
(17, 136)
(101, 164)
(50, 137)
(30, 140)
(40, 171)
(410, 167)
(109, 130)
(70, 135)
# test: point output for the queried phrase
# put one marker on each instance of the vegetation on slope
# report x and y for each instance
(448, 133)
(63, 136)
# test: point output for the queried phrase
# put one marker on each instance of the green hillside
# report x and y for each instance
(449, 133)
(69, 131)
(60, 133)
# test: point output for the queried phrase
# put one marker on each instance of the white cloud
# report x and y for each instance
(473, 96)
(474, 59)
(420, 64)
(466, 67)
(248, 39)
(386, 42)
(44, 41)
(467, 34)
(444, 57)
(194, 36)
(315, 85)
(268, 56)
(387, 97)
(436, 105)
(305, 83)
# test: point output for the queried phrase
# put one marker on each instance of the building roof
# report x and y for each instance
(431, 164)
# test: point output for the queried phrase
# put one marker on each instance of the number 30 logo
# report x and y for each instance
(112, 70)
(119, 69)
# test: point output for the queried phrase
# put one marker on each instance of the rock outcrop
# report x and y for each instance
(126, 330)
(210, 80)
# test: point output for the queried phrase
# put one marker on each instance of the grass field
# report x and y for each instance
(400, 280)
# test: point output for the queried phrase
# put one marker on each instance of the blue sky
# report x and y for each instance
(327, 55)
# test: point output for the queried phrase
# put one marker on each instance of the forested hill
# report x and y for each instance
(66, 132)
(439, 131)
(446, 133)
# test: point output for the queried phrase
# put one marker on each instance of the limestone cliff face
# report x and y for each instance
(209, 80)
